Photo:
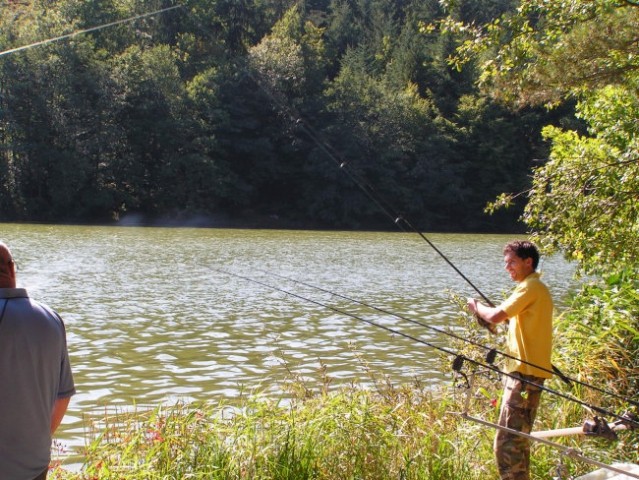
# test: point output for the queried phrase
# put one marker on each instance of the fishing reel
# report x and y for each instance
(461, 377)
(600, 428)
(491, 327)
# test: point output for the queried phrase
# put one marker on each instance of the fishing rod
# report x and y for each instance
(395, 216)
(326, 147)
(334, 309)
(459, 359)
(568, 451)
(597, 427)
(490, 356)
(457, 364)
(87, 30)
(398, 219)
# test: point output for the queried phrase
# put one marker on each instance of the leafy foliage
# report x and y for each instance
(584, 200)
(197, 111)
(546, 51)
(607, 331)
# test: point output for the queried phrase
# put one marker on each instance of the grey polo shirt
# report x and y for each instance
(34, 373)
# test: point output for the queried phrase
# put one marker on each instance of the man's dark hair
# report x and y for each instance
(523, 249)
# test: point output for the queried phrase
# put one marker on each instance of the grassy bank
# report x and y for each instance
(355, 433)
(398, 433)
(388, 432)
(394, 433)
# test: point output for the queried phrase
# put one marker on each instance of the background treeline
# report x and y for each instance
(219, 110)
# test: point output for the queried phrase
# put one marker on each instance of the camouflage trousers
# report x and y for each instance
(518, 411)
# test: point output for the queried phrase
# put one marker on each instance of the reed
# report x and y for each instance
(401, 433)
(406, 432)
(355, 433)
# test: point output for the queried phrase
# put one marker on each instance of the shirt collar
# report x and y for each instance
(13, 293)
(532, 276)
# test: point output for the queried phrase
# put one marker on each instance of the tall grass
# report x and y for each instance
(351, 434)
(403, 432)
(399, 432)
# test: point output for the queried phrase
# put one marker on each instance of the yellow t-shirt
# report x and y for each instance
(530, 310)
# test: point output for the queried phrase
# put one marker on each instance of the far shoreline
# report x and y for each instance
(265, 222)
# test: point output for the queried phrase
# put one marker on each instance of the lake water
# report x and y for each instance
(157, 315)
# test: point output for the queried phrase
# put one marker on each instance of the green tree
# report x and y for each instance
(585, 199)
(582, 200)
(547, 51)
(152, 95)
(53, 105)
(159, 115)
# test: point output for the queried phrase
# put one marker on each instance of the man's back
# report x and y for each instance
(34, 373)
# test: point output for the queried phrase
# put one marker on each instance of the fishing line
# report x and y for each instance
(459, 358)
(397, 218)
(87, 30)
(334, 309)
(491, 351)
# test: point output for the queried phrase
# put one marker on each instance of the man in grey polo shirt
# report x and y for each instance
(36, 383)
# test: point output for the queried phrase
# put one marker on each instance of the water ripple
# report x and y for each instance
(151, 317)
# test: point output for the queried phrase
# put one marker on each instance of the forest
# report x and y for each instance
(464, 115)
(241, 112)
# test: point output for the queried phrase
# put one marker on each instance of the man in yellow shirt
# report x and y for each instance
(528, 311)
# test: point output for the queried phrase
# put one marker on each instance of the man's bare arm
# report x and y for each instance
(490, 314)
(59, 409)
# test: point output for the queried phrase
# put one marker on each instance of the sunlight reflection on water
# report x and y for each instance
(151, 316)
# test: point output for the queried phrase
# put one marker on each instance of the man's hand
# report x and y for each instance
(492, 328)
(473, 306)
